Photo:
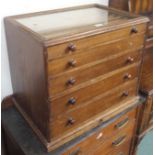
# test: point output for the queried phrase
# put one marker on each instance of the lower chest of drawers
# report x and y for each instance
(112, 138)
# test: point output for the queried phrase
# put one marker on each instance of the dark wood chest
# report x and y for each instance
(73, 69)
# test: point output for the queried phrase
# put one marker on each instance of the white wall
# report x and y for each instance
(25, 6)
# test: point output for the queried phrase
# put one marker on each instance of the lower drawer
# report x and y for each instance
(118, 145)
(71, 120)
(122, 149)
(112, 96)
(100, 137)
(101, 146)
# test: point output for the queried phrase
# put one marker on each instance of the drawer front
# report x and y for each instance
(101, 138)
(119, 143)
(74, 119)
(76, 46)
(98, 104)
(122, 149)
(71, 79)
(90, 55)
(98, 86)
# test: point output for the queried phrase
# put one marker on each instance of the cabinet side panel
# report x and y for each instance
(27, 65)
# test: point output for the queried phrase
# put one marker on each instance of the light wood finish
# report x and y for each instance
(38, 53)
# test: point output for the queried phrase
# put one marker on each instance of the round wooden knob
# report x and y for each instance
(128, 76)
(71, 81)
(125, 93)
(70, 121)
(72, 47)
(134, 30)
(130, 59)
(72, 101)
(72, 63)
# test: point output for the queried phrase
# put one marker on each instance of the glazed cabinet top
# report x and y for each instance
(52, 27)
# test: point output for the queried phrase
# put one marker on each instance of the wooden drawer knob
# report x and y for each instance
(125, 93)
(72, 101)
(134, 30)
(130, 59)
(71, 81)
(70, 121)
(72, 47)
(72, 63)
(127, 76)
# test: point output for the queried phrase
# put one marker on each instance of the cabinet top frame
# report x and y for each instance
(61, 25)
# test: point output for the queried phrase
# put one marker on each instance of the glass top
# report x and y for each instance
(53, 25)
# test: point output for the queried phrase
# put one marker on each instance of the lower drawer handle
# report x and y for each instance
(76, 152)
(122, 123)
(119, 141)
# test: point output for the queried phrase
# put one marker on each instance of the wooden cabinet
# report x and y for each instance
(141, 6)
(74, 68)
(113, 136)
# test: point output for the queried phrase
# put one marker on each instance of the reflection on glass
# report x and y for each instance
(68, 22)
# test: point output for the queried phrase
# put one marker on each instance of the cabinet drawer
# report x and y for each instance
(79, 45)
(98, 86)
(99, 103)
(122, 149)
(73, 119)
(71, 79)
(90, 55)
(117, 144)
(102, 137)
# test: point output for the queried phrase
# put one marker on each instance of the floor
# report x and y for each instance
(146, 145)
